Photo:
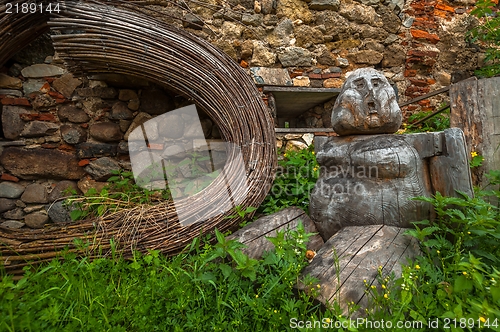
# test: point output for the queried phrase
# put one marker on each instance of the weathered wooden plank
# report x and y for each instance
(359, 260)
(254, 235)
(450, 171)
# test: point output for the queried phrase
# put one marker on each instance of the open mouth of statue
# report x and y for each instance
(372, 107)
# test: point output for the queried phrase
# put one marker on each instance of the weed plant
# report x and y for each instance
(205, 288)
(296, 176)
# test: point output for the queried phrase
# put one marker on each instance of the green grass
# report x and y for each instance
(215, 287)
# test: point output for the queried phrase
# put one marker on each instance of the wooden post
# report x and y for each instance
(475, 108)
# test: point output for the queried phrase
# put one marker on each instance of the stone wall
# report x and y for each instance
(60, 132)
(419, 44)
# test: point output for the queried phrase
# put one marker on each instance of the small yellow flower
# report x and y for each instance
(464, 273)
(474, 154)
(386, 296)
(315, 169)
(373, 287)
(383, 286)
(482, 319)
(438, 251)
(256, 296)
(327, 320)
(275, 311)
(313, 152)
(318, 285)
(468, 233)
(417, 267)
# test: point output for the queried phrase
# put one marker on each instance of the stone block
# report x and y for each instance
(8, 82)
(106, 132)
(39, 129)
(36, 219)
(66, 84)
(42, 70)
(35, 193)
(254, 235)
(270, 76)
(71, 113)
(10, 190)
(12, 124)
(155, 102)
(40, 163)
(72, 134)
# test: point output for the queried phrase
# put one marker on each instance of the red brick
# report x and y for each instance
(412, 90)
(296, 73)
(425, 102)
(244, 64)
(56, 95)
(314, 76)
(38, 116)
(8, 177)
(411, 108)
(66, 147)
(441, 13)
(420, 34)
(331, 75)
(430, 54)
(425, 24)
(16, 101)
(431, 81)
(154, 146)
(418, 82)
(444, 7)
(410, 73)
(429, 62)
(83, 162)
(45, 88)
(418, 6)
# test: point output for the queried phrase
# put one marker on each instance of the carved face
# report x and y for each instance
(366, 105)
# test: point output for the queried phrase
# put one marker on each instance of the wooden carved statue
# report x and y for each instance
(368, 174)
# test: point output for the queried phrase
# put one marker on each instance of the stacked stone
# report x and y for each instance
(64, 135)
(419, 46)
(294, 142)
(436, 56)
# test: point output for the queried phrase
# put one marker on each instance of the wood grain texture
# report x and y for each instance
(474, 109)
(371, 179)
(361, 250)
(254, 235)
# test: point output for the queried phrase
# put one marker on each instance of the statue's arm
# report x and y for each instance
(450, 171)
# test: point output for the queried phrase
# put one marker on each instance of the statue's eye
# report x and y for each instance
(376, 82)
(359, 84)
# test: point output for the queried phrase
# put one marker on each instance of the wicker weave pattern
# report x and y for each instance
(94, 38)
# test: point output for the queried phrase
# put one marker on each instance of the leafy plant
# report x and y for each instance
(438, 122)
(296, 176)
(487, 35)
(206, 287)
(120, 192)
(455, 279)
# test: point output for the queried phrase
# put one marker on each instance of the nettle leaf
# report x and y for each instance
(76, 215)
(462, 283)
(226, 270)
